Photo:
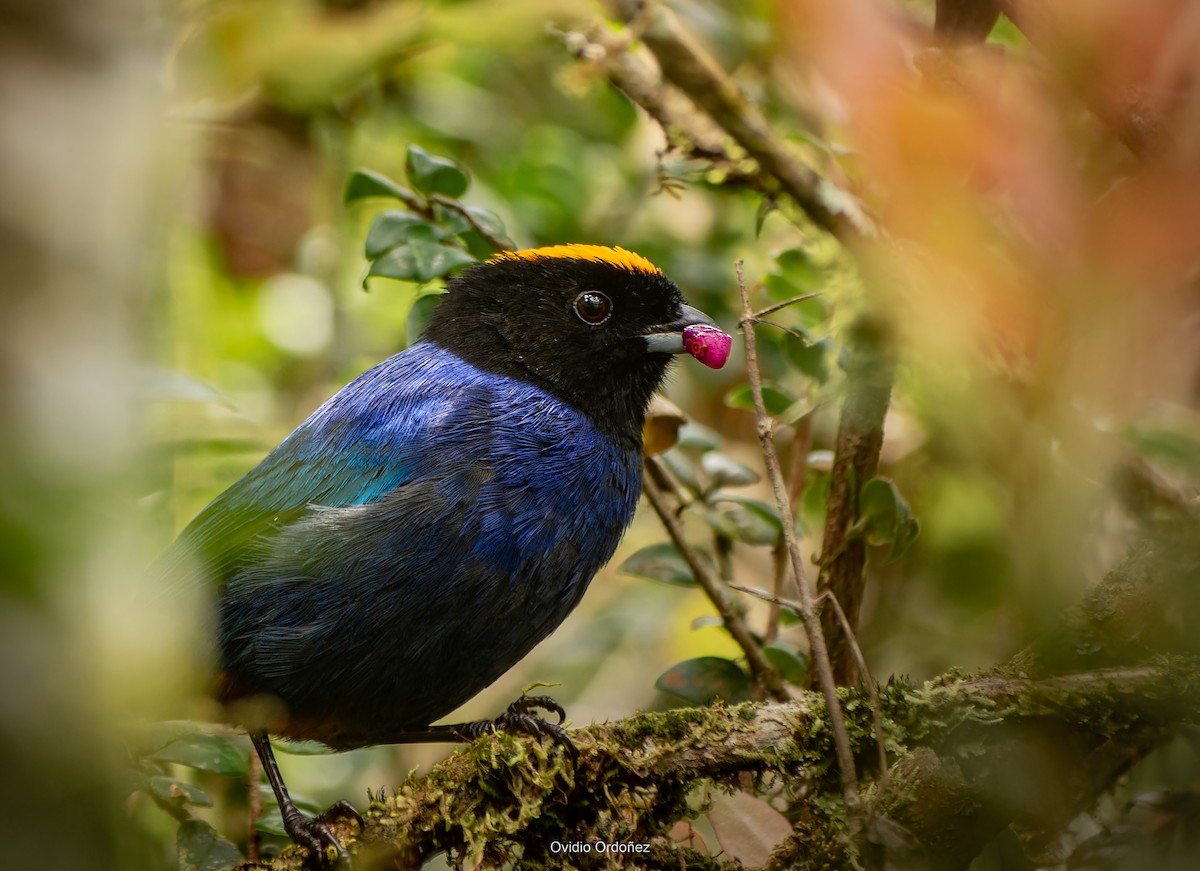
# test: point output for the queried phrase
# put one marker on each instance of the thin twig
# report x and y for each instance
(771, 309)
(868, 678)
(499, 243)
(760, 667)
(816, 638)
(797, 479)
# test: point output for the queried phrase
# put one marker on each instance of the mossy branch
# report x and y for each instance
(504, 797)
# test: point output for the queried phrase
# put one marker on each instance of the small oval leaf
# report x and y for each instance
(887, 518)
(208, 752)
(703, 680)
(435, 175)
(724, 471)
(775, 399)
(202, 849)
(391, 228)
(364, 183)
(659, 562)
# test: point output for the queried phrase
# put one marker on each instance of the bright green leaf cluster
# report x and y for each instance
(433, 235)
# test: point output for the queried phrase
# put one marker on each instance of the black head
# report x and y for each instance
(595, 326)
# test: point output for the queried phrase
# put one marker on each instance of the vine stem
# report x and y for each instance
(807, 608)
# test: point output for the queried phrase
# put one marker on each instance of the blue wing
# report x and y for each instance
(377, 434)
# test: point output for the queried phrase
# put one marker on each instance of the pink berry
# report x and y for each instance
(707, 344)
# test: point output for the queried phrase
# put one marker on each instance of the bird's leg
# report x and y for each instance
(518, 718)
(311, 833)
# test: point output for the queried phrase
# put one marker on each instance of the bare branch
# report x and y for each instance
(812, 624)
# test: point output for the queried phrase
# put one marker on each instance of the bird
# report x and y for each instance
(423, 529)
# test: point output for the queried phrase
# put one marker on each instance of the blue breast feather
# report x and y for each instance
(409, 542)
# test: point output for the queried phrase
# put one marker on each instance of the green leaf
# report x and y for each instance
(271, 822)
(766, 513)
(391, 228)
(791, 664)
(201, 849)
(303, 748)
(420, 260)
(489, 221)
(172, 790)
(795, 274)
(810, 358)
(208, 752)
(364, 183)
(703, 680)
(659, 562)
(751, 527)
(765, 207)
(887, 517)
(420, 313)
(435, 175)
(775, 399)
(1172, 443)
(725, 471)
(683, 470)
(699, 437)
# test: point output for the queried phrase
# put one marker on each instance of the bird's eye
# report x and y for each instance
(593, 307)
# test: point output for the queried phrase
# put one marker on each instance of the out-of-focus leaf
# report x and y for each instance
(271, 821)
(681, 467)
(720, 523)
(170, 789)
(364, 183)
(420, 313)
(659, 562)
(304, 748)
(747, 828)
(810, 358)
(661, 429)
(208, 752)
(696, 436)
(775, 399)
(1176, 445)
(791, 664)
(435, 175)
(765, 207)
(767, 514)
(724, 471)
(703, 680)
(748, 526)
(704, 621)
(161, 384)
(202, 849)
(887, 517)
(797, 410)
(392, 228)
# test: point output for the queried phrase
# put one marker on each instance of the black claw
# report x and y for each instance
(343, 810)
(312, 834)
(521, 719)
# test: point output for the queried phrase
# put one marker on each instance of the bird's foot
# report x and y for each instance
(521, 719)
(314, 835)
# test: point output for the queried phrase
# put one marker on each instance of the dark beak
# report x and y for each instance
(668, 338)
